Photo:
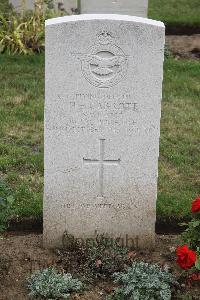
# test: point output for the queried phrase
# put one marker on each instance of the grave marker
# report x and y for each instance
(64, 5)
(125, 7)
(102, 126)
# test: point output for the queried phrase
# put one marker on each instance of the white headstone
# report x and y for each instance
(102, 125)
(64, 5)
(125, 7)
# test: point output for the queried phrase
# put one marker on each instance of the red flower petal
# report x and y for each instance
(186, 258)
(196, 205)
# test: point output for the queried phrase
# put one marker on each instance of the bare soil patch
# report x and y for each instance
(185, 46)
(20, 255)
(181, 29)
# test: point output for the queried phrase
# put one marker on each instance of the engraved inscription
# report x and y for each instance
(120, 206)
(95, 112)
(100, 96)
(101, 162)
(124, 106)
(91, 126)
(90, 101)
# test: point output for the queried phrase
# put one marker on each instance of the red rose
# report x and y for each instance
(186, 257)
(196, 205)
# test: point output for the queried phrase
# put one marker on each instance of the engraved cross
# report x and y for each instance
(101, 162)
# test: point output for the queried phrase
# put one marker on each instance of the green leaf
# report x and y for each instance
(10, 199)
(196, 224)
(2, 228)
(2, 201)
(197, 264)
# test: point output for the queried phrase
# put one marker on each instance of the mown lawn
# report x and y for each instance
(21, 131)
(179, 168)
(175, 12)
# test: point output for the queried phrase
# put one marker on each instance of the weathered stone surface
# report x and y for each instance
(102, 124)
(124, 7)
(66, 5)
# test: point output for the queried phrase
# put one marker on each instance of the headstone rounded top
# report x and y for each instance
(113, 17)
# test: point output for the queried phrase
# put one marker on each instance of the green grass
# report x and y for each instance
(21, 131)
(175, 12)
(179, 168)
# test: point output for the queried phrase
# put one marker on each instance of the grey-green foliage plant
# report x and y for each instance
(143, 281)
(50, 284)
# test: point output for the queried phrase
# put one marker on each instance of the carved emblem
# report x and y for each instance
(105, 64)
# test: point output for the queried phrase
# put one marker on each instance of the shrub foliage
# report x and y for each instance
(99, 257)
(24, 33)
(49, 284)
(143, 281)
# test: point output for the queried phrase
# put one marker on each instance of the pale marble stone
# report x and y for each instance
(67, 5)
(125, 7)
(102, 125)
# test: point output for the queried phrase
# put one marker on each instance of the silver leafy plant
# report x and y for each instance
(143, 281)
(50, 284)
